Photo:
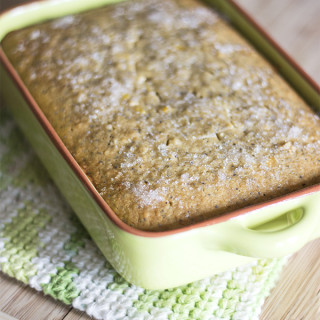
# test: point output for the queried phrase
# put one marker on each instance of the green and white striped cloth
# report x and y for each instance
(43, 245)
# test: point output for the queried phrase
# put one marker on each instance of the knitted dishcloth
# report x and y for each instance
(43, 244)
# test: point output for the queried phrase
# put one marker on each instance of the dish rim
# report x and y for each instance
(86, 182)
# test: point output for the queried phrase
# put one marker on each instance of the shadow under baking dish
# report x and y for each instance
(158, 260)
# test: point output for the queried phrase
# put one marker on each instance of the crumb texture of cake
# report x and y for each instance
(170, 112)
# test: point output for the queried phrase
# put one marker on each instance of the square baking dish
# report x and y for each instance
(158, 260)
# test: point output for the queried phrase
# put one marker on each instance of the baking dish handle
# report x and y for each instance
(276, 238)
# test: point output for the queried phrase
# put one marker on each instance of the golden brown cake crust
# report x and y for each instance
(173, 116)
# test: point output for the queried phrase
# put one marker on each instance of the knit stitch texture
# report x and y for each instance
(43, 244)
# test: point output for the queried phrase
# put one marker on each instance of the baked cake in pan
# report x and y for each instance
(170, 112)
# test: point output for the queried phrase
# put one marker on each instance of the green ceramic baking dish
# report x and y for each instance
(158, 260)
